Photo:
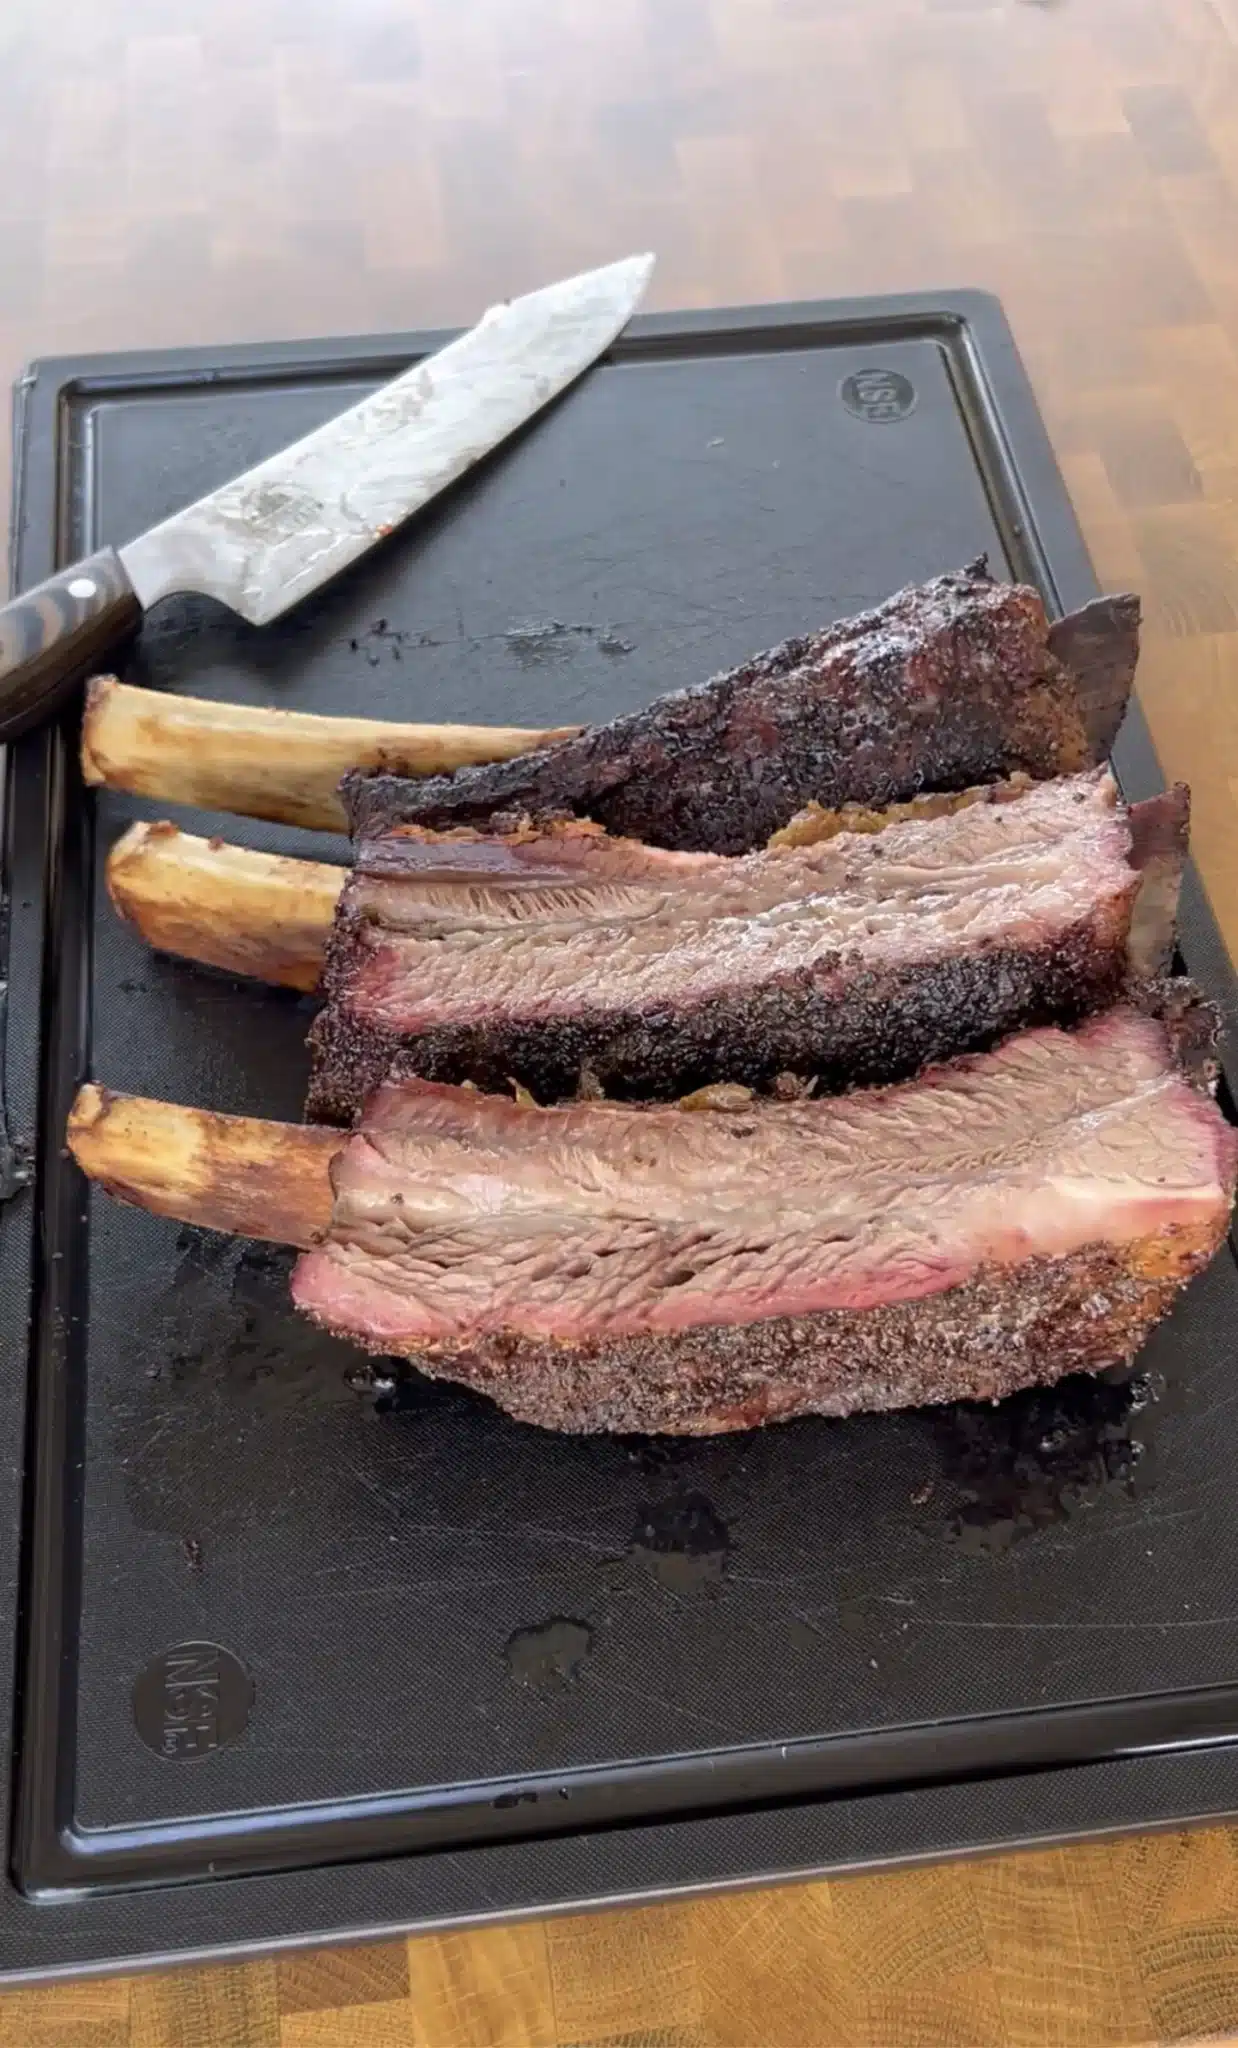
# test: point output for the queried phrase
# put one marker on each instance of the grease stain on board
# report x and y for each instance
(228, 1322)
(1042, 1457)
(682, 1543)
(228, 1359)
(16, 1165)
(550, 1655)
(547, 640)
(534, 642)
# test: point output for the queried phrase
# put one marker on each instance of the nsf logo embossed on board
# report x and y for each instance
(881, 396)
(192, 1699)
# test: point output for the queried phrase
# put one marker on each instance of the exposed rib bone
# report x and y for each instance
(259, 914)
(234, 1173)
(282, 765)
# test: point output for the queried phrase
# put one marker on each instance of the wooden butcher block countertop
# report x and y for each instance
(201, 170)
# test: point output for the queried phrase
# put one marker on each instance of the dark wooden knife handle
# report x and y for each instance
(51, 635)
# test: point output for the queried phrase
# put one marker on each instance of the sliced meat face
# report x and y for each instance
(466, 1221)
(854, 958)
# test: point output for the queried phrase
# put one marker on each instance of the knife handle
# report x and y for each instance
(51, 635)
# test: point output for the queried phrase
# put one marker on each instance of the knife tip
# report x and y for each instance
(637, 270)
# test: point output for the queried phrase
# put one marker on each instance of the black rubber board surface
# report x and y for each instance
(478, 1669)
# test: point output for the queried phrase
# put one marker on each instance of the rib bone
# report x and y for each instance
(282, 765)
(259, 914)
(238, 1174)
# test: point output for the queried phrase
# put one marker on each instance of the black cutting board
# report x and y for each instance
(461, 1667)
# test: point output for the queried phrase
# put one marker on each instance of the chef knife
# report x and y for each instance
(271, 536)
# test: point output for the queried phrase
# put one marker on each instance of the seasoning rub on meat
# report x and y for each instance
(995, 1223)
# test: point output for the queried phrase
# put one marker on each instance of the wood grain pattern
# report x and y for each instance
(179, 171)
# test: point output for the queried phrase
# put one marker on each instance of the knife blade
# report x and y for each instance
(266, 539)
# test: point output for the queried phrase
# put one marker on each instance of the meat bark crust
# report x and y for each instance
(1160, 837)
(1001, 1221)
(1006, 1328)
(884, 1025)
(948, 683)
(855, 959)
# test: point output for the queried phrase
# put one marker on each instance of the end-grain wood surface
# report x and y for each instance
(182, 171)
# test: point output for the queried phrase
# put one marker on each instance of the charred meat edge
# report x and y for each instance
(957, 681)
(286, 766)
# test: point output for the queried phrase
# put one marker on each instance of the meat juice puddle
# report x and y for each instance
(231, 1337)
(1002, 1474)
(241, 1399)
(679, 1542)
(1035, 1461)
(1043, 1457)
(258, 1346)
(997, 1478)
(548, 1656)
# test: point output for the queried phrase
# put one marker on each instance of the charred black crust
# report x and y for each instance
(1099, 645)
(1160, 826)
(1160, 830)
(1008, 1327)
(1192, 1025)
(947, 684)
(869, 1027)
